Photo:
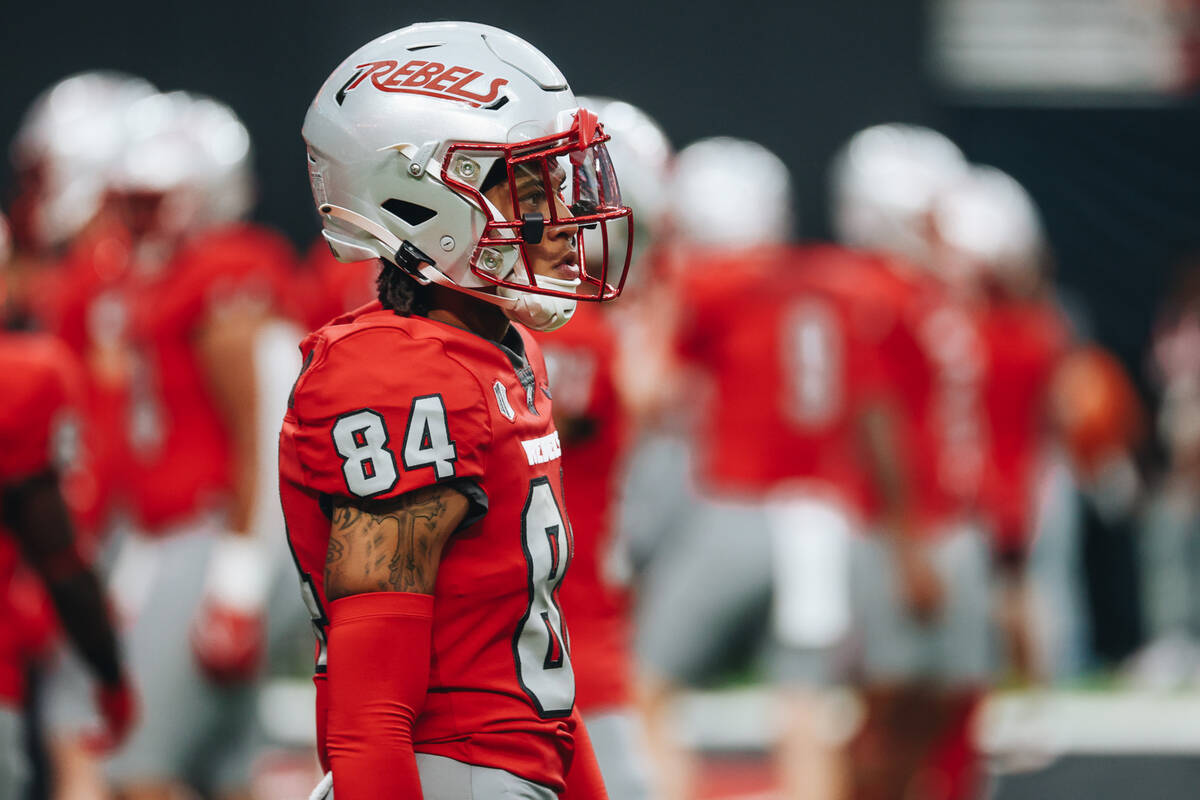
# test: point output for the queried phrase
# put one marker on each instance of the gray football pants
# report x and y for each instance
(446, 779)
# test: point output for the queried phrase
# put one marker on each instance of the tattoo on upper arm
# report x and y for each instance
(390, 547)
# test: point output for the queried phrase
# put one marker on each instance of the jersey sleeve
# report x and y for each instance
(378, 414)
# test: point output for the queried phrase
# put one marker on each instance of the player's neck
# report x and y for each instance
(462, 311)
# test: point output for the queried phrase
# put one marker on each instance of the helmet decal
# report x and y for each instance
(428, 78)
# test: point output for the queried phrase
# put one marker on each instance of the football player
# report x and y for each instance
(40, 397)
(921, 582)
(209, 354)
(68, 278)
(420, 467)
(987, 224)
(1172, 518)
(774, 460)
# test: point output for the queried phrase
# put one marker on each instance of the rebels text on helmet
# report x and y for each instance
(426, 78)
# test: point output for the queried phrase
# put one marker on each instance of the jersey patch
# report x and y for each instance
(542, 449)
(506, 410)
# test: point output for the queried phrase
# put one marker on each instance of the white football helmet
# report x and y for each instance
(66, 142)
(403, 138)
(986, 217)
(227, 176)
(884, 182)
(731, 194)
(641, 155)
(195, 152)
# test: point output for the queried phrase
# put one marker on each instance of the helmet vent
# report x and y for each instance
(410, 213)
(417, 47)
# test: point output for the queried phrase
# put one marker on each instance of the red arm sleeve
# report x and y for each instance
(379, 650)
(584, 781)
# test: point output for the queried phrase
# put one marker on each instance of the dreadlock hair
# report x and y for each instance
(398, 291)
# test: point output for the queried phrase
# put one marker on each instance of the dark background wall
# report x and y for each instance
(1120, 188)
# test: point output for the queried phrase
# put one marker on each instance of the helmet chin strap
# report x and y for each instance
(537, 311)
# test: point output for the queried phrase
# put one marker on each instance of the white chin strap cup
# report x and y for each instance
(537, 311)
(542, 312)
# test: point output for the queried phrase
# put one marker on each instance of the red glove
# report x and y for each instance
(227, 635)
(227, 643)
(118, 706)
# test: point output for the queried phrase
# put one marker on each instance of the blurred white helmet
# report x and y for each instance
(162, 157)
(731, 194)
(228, 179)
(989, 219)
(402, 141)
(192, 149)
(884, 182)
(641, 155)
(69, 137)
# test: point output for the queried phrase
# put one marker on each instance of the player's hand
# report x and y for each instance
(227, 642)
(118, 708)
(920, 585)
(228, 633)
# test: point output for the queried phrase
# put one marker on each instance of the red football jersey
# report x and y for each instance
(580, 360)
(935, 363)
(1025, 343)
(40, 390)
(791, 351)
(180, 459)
(85, 301)
(332, 288)
(387, 404)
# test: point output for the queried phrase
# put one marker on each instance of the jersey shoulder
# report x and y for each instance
(372, 353)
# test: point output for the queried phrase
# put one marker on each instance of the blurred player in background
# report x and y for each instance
(986, 224)
(587, 362)
(1171, 530)
(763, 554)
(40, 403)
(420, 465)
(69, 279)
(176, 310)
(922, 579)
(211, 358)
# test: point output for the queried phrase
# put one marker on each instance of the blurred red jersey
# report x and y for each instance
(790, 347)
(1025, 343)
(180, 459)
(387, 404)
(86, 302)
(40, 390)
(331, 288)
(580, 361)
(935, 364)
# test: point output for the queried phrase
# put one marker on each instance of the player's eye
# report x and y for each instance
(533, 196)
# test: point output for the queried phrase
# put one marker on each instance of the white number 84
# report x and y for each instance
(369, 467)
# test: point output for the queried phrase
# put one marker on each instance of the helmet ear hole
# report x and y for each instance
(409, 213)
